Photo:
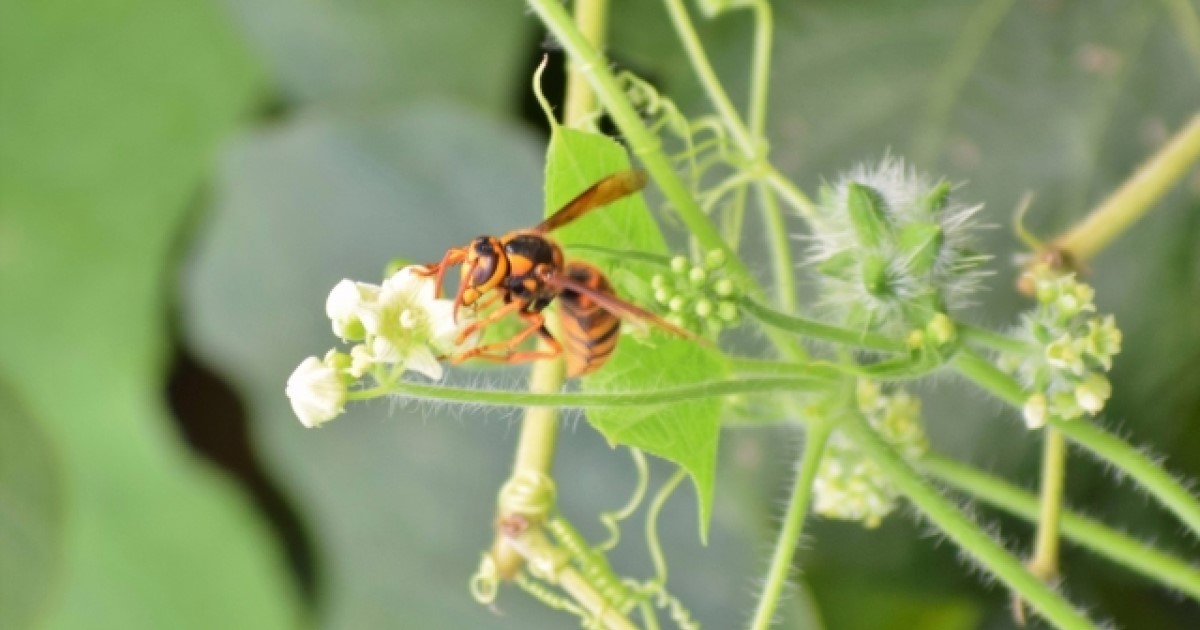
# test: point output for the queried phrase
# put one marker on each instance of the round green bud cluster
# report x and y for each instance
(1075, 347)
(700, 296)
(851, 486)
(892, 248)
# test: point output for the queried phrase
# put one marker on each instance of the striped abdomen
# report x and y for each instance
(589, 333)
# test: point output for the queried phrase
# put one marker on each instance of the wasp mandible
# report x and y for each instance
(526, 271)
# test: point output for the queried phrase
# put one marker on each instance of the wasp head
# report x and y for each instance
(484, 269)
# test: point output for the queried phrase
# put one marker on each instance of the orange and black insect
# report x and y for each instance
(526, 270)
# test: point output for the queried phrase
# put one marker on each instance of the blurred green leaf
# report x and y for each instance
(110, 112)
(31, 516)
(400, 498)
(371, 53)
(685, 433)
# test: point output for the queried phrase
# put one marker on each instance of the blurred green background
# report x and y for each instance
(182, 181)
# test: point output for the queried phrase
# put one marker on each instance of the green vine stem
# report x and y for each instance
(992, 340)
(1086, 532)
(966, 534)
(793, 525)
(1124, 457)
(591, 16)
(1044, 562)
(579, 400)
(746, 143)
(820, 330)
(1135, 463)
(1134, 198)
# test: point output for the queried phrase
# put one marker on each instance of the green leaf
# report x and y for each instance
(577, 159)
(686, 433)
(31, 516)
(111, 113)
(370, 53)
(399, 499)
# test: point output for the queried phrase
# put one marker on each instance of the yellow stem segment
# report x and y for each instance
(1134, 198)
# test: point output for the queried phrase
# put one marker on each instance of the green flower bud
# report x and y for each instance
(941, 329)
(658, 281)
(1064, 354)
(1103, 340)
(727, 311)
(662, 296)
(679, 264)
(697, 276)
(676, 304)
(704, 308)
(715, 259)
(1064, 405)
(723, 287)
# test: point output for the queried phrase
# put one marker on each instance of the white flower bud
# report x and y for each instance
(1093, 392)
(348, 305)
(1035, 411)
(317, 392)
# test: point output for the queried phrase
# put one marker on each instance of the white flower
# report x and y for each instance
(350, 306)
(316, 390)
(403, 323)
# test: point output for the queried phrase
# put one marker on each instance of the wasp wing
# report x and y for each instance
(615, 305)
(611, 188)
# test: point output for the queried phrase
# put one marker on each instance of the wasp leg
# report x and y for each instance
(490, 319)
(505, 352)
(454, 256)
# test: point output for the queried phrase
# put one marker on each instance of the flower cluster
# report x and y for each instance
(851, 486)
(892, 248)
(1075, 349)
(698, 295)
(397, 326)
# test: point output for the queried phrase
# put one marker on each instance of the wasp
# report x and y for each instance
(526, 271)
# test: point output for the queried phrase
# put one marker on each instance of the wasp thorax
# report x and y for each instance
(485, 267)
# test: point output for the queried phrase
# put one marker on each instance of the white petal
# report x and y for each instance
(407, 286)
(443, 328)
(421, 359)
(384, 350)
(316, 391)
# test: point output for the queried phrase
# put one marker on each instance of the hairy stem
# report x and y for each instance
(782, 267)
(1088, 533)
(1142, 469)
(993, 340)
(793, 524)
(965, 533)
(1134, 198)
(820, 330)
(579, 400)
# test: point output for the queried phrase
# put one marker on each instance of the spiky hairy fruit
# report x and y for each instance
(892, 247)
